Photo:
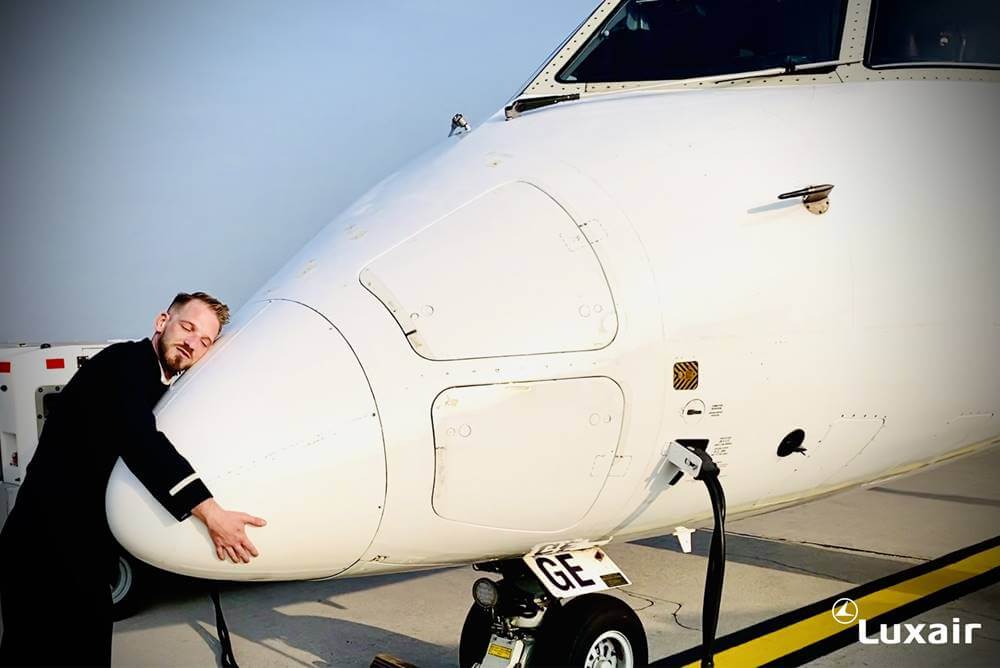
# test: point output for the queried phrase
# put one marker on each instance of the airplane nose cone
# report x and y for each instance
(280, 422)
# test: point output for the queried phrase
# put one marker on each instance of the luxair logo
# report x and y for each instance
(845, 611)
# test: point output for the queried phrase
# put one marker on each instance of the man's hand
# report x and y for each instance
(226, 527)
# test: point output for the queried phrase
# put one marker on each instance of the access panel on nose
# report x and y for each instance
(530, 456)
(509, 273)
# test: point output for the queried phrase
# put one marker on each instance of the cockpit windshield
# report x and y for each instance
(955, 33)
(656, 40)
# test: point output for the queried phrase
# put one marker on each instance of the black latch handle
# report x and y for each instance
(810, 193)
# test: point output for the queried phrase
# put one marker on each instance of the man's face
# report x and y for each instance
(184, 335)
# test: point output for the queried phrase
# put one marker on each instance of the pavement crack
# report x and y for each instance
(652, 600)
(830, 546)
(641, 597)
(807, 571)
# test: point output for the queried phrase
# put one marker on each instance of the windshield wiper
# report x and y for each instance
(790, 68)
(523, 104)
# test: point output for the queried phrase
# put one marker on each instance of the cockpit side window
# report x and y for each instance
(949, 33)
(656, 40)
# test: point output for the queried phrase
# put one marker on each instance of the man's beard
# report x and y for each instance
(161, 349)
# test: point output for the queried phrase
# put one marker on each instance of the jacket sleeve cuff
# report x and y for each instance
(185, 499)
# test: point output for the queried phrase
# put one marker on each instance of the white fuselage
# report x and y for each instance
(478, 355)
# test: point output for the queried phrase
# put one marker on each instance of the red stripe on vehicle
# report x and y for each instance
(55, 363)
(4, 367)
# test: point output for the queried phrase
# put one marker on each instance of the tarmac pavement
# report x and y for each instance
(777, 562)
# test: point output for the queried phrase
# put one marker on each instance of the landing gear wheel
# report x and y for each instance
(594, 631)
(476, 633)
(129, 589)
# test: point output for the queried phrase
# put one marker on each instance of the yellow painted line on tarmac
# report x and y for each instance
(813, 631)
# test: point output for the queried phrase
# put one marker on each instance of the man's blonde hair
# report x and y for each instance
(221, 310)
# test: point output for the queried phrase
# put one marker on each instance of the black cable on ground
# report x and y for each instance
(227, 658)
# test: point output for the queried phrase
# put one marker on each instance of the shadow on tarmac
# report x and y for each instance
(253, 613)
(788, 556)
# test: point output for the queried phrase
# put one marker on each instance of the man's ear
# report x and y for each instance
(161, 322)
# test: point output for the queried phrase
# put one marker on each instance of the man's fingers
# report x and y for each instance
(250, 547)
(231, 539)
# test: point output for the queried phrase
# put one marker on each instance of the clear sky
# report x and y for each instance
(152, 147)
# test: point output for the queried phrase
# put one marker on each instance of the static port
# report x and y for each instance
(792, 443)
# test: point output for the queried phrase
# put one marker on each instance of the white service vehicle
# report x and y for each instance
(31, 378)
(767, 227)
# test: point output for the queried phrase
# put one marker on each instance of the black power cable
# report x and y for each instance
(690, 456)
(716, 571)
(227, 659)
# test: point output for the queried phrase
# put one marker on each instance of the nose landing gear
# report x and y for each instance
(592, 630)
(522, 620)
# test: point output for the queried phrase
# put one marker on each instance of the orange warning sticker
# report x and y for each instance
(685, 375)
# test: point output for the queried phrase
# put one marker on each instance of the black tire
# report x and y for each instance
(589, 625)
(130, 588)
(476, 634)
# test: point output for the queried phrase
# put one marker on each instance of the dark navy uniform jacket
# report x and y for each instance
(103, 413)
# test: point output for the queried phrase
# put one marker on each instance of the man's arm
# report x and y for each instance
(154, 460)
(172, 480)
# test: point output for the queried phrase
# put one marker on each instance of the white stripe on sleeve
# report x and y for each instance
(183, 483)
